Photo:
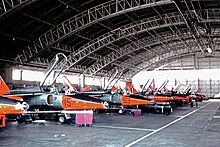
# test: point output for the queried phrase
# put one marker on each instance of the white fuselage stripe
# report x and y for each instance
(167, 125)
(3, 105)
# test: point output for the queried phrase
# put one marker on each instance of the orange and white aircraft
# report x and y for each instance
(46, 97)
(159, 103)
(162, 94)
(110, 95)
(70, 88)
(52, 101)
(9, 105)
(152, 96)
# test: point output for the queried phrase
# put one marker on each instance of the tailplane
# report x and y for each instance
(69, 86)
(87, 88)
(114, 88)
(199, 90)
(141, 86)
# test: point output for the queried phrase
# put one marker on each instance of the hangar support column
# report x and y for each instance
(81, 81)
(6, 74)
(102, 82)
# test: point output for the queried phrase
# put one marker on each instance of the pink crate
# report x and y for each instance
(136, 113)
(84, 118)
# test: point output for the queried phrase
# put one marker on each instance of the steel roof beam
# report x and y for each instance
(128, 30)
(120, 32)
(164, 57)
(151, 62)
(192, 28)
(169, 37)
(100, 65)
(39, 20)
(115, 48)
(83, 20)
(44, 63)
(129, 49)
(8, 7)
(142, 42)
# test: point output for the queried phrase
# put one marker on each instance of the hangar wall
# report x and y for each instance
(15, 77)
(209, 85)
(202, 72)
(194, 63)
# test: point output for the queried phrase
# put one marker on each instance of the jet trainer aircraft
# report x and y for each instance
(9, 105)
(162, 94)
(46, 98)
(158, 102)
(111, 95)
(152, 95)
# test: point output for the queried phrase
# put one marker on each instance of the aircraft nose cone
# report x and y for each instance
(23, 106)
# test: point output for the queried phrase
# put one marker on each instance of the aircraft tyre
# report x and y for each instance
(121, 111)
(62, 119)
(191, 104)
(157, 111)
(19, 117)
(179, 103)
(24, 118)
(167, 111)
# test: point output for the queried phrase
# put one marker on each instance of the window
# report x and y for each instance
(16, 74)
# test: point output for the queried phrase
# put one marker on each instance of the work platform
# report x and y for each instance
(186, 126)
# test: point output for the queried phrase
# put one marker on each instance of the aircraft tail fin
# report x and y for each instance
(70, 86)
(3, 87)
(152, 88)
(199, 90)
(131, 87)
(87, 88)
(114, 88)
(165, 88)
(141, 86)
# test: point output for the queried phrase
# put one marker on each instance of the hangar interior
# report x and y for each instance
(98, 37)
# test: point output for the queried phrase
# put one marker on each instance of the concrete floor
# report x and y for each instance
(184, 127)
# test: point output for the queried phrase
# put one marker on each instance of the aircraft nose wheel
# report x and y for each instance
(61, 119)
(121, 111)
